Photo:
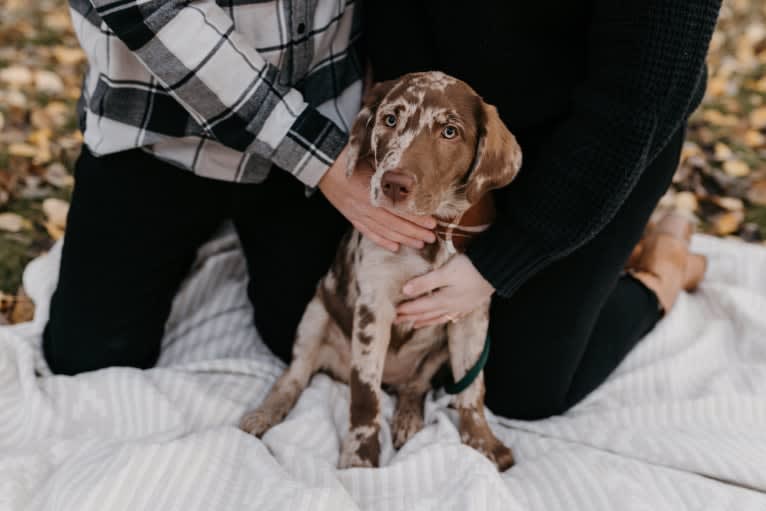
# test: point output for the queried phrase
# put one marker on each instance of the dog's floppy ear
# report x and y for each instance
(498, 155)
(359, 144)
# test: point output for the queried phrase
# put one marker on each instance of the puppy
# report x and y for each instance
(436, 149)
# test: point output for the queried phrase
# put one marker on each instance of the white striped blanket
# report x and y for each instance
(680, 425)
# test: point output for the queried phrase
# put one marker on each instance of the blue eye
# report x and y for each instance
(390, 120)
(449, 131)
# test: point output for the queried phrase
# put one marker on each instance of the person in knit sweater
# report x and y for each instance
(597, 93)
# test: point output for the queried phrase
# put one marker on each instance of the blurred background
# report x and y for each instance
(722, 176)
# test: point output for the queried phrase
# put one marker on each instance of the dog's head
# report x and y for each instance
(435, 145)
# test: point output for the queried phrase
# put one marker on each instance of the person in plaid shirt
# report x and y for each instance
(193, 113)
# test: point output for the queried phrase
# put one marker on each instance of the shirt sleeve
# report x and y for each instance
(645, 71)
(231, 91)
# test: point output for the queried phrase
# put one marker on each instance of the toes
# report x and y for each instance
(404, 427)
(256, 422)
(502, 456)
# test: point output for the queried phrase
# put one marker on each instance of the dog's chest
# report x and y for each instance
(363, 271)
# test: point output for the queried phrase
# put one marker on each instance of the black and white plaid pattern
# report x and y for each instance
(224, 88)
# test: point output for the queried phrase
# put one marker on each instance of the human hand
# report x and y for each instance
(351, 196)
(456, 289)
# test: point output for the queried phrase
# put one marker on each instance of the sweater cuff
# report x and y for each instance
(507, 258)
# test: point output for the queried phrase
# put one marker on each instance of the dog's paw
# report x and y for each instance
(404, 426)
(489, 445)
(257, 422)
(360, 449)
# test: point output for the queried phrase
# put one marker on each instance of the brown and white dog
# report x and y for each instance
(436, 149)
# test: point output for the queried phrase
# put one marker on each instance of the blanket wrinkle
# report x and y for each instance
(681, 424)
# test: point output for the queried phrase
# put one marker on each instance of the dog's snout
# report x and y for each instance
(397, 185)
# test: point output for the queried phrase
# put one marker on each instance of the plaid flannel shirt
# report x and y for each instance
(224, 88)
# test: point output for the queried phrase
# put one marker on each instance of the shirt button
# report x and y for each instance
(301, 28)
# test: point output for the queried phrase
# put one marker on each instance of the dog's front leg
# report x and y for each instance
(369, 344)
(466, 342)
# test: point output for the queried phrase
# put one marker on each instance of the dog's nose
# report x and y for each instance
(397, 185)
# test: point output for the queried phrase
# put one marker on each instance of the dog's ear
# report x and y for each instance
(498, 155)
(359, 144)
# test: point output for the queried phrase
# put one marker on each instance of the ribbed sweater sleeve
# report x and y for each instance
(645, 75)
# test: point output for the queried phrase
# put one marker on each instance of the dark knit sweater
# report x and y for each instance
(593, 90)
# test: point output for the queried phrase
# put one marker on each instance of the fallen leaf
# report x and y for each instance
(11, 222)
(727, 223)
(56, 211)
(17, 76)
(754, 138)
(716, 118)
(729, 203)
(57, 175)
(758, 118)
(23, 308)
(68, 56)
(736, 168)
(22, 150)
(722, 151)
(757, 193)
(686, 201)
(48, 82)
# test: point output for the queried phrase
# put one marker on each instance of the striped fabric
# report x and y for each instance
(226, 88)
(680, 426)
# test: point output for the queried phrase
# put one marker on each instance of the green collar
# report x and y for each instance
(456, 387)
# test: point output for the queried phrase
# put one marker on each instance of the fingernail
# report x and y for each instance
(419, 244)
(431, 238)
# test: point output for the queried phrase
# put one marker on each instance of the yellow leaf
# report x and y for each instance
(754, 138)
(722, 151)
(68, 56)
(729, 203)
(11, 222)
(736, 168)
(758, 118)
(48, 82)
(727, 223)
(757, 193)
(22, 150)
(716, 118)
(16, 75)
(56, 211)
(686, 201)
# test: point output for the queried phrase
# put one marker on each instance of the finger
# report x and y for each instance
(401, 225)
(445, 318)
(427, 222)
(375, 238)
(414, 318)
(388, 233)
(419, 285)
(422, 305)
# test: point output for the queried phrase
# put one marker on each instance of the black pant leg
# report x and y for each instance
(544, 354)
(133, 229)
(290, 241)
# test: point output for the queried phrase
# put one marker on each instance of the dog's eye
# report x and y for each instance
(449, 131)
(390, 120)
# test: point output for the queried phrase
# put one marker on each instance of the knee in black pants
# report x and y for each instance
(74, 343)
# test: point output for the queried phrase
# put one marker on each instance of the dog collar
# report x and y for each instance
(456, 387)
(457, 232)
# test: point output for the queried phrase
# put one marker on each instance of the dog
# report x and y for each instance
(436, 149)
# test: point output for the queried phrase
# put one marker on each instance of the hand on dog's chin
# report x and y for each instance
(444, 294)
(351, 197)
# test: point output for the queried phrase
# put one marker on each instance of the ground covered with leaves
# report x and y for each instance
(721, 179)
